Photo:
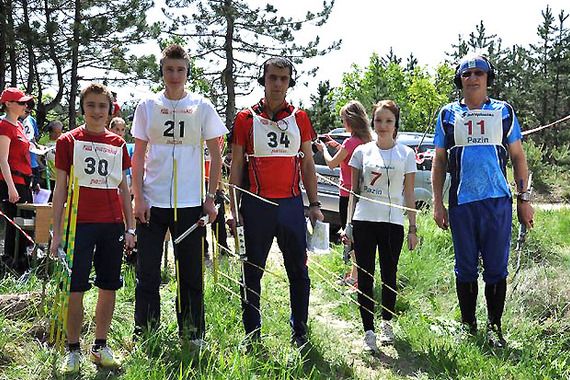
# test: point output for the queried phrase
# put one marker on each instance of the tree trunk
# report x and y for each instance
(3, 37)
(11, 44)
(227, 73)
(28, 41)
(74, 64)
(43, 109)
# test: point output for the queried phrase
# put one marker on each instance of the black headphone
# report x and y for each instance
(490, 73)
(187, 70)
(111, 106)
(283, 61)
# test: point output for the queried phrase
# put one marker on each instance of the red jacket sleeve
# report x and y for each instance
(304, 123)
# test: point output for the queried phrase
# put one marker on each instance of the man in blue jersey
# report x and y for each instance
(474, 138)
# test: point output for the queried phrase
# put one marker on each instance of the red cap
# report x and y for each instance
(116, 109)
(12, 94)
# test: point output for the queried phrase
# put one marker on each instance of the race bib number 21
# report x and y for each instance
(174, 127)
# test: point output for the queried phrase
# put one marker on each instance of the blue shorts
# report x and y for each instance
(482, 227)
(99, 245)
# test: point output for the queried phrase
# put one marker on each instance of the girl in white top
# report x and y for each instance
(383, 174)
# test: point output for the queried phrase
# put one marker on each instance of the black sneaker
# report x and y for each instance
(299, 341)
(495, 336)
(470, 328)
(251, 342)
(303, 347)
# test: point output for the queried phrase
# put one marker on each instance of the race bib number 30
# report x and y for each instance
(98, 165)
(479, 127)
(274, 139)
(174, 127)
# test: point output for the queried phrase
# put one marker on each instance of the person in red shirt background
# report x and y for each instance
(271, 149)
(15, 172)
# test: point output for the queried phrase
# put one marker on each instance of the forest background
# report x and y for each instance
(51, 48)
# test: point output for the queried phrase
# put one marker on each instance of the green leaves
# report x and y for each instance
(418, 93)
(234, 38)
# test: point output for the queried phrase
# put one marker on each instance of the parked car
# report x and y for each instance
(328, 193)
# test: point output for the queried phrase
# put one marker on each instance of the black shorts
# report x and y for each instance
(101, 245)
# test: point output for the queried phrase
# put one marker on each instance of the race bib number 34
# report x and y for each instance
(273, 139)
(479, 127)
(98, 165)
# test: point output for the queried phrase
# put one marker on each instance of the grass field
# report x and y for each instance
(429, 341)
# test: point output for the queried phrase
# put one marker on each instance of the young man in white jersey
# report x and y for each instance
(100, 162)
(271, 147)
(169, 129)
(474, 138)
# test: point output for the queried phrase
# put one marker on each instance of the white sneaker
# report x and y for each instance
(370, 342)
(71, 363)
(387, 334)
(198, 344)
(104, 357)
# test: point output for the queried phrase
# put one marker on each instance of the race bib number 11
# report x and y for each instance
(480, 127)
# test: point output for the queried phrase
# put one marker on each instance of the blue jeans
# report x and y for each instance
(263, 222)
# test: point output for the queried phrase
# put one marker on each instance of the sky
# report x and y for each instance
(425, 28)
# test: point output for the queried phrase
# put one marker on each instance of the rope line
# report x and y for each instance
(356, 289)
(236, 187)
(366, 198)
(235, 255)
(524, 133)
(18, 228)
(342, 293)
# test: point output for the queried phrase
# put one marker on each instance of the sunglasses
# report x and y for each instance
(477, 73)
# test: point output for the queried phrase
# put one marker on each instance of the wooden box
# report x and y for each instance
(43, 220)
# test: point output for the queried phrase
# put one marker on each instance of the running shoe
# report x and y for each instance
(198, 344)
(104, 357)
(347, 280)
(495, 336)
(369, 344)
(71, 363)
(387, 334)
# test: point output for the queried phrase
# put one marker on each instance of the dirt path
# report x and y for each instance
(347, 334)
(550, 206)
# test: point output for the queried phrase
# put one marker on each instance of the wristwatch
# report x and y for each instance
(211, 196)
(131, 231)
(524, 196)
(315, 204)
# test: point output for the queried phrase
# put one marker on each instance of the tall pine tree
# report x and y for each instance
(233, 39)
